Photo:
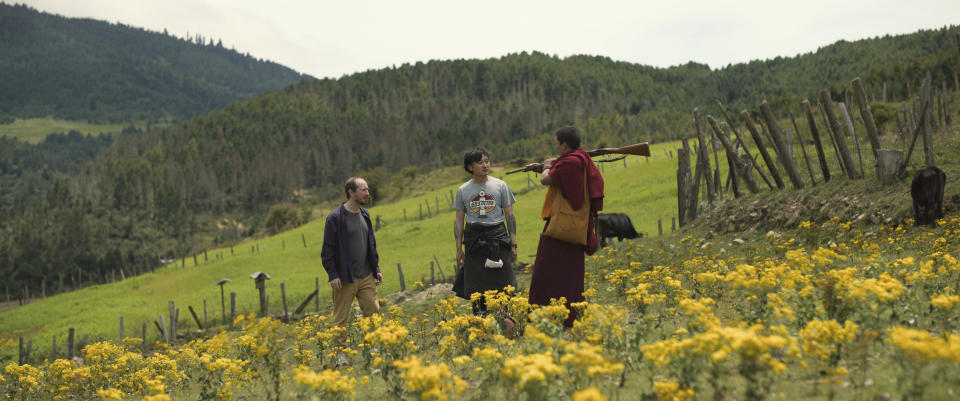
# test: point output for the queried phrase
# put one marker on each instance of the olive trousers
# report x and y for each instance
(364, 290)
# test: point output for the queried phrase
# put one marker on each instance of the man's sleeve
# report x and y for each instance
(507, 195)
(328, 252)
(458, 200)
(375, 254)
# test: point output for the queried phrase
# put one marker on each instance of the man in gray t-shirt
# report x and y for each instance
(484, 202)
(486, 247)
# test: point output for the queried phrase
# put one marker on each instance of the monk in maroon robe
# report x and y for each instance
(558, 270)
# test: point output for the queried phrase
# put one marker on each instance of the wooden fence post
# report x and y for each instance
(443, 277)
(947, 119)
(889, 162)
(824, 168)
(164, 329)
(775, 133)
(833, 140)
(913, 141)
(403, 284)
(233, 308)
(70, 344)
(316, 301)
(121, 328)
(758, 140)
(433, 278)
(803, 149)
(303, 305)
(173, 321)
(659, 227)
(743, 146)
(841, 142)
(143, 337)
(926, 94)
(705, 155)
(683, 182)
(53, 349)
(853, 133)
(868, 121)
(195, 318)
(283, 298)
(740, 168)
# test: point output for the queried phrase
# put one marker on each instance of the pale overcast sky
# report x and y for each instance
(336, 38)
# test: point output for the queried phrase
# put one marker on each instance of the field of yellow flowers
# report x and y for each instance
(827, 310)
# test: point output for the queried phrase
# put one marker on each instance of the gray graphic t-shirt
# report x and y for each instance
(484, 203)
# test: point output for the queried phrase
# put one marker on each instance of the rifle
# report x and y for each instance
(639, 149)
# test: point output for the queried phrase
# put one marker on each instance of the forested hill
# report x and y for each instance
(156, 194)
(83, 69)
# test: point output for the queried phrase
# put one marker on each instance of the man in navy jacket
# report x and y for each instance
(350, 255)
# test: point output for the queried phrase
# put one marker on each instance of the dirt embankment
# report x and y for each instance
(886, 205)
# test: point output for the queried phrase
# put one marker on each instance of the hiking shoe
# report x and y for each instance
(342, 360)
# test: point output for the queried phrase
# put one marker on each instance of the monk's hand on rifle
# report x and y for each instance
(513, 254)
(535, 167)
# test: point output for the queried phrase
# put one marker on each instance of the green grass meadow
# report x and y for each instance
(644, 189)
(34, 130)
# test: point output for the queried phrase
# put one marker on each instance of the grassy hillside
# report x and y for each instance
(830, 307)
(645, 190)
(34, 130)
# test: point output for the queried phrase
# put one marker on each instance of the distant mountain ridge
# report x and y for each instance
(84, 69)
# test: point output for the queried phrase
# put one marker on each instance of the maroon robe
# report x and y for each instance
(558, 269)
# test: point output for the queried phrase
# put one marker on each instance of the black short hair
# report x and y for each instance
(351, 185)
(570, 136)
(474, 156)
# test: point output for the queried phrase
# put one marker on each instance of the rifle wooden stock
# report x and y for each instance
(638, 149)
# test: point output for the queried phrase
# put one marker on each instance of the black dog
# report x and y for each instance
(617, 225)
(927, 192)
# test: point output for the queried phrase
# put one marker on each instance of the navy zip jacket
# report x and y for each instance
(336, 248)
